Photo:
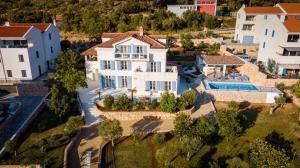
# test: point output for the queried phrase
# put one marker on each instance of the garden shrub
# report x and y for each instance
(123, 102)
(108, 101)
(73, 123)
(137, 106)
(160, 138)
(154, 104)
(189, 96)
(168, 102)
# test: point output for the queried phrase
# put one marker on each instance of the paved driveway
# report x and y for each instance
(29, 103)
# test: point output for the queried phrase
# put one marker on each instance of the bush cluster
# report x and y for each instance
(160, 138)
(168, 102)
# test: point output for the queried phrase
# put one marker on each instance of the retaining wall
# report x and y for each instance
(239, 96)
(260, 78)
(123, 116)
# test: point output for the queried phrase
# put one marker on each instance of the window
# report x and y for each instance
(293, 38)
(107, 65)
(264, 45)
(239, 15)
(9, 73)
(250, 17)
(247, 27)
(167, 85)
(50, 36)
(23, 72)
(124, 65)
(266, 17)
(152, 85)
(153, 67)
(51, 49)
(139, 49)
(273, 33)
(108, 81)
(124, 81)
(21, 58)
(124, 49)
(266, 32)
(37, 54)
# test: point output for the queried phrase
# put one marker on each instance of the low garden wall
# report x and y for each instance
(240, 96)
(123, 115)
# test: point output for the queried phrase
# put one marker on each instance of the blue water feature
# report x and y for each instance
(232, 86)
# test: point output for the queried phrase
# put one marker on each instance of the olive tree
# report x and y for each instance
(110, 130)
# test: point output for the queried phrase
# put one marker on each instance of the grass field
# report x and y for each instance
(283, 123)
(47, 131)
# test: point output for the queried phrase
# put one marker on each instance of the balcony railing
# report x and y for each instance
(131, 56)
(15, 46)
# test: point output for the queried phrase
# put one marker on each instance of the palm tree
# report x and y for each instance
(132, 91)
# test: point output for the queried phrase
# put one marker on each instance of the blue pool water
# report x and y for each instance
(232, 86)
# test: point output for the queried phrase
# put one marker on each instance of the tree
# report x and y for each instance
(164, 156)
(183, 126)
(280, 100)
(228, 123)
(236, 162)
(11, 147)
(204, 129)
(271, 66)
(262, 154)
(167, 102)
(73, 123)
(110, 130)
(187, 99)
(132, 91)
(189, 145)
(186, 42)
(60, 101)
(296, 89)
(68, 72)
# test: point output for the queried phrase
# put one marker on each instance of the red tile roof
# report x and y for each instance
(145, 38)
(292, 23)
(13, 31)
(291, 8)
(262, 10)
(221, 60)
(90, 51)
(41, 26)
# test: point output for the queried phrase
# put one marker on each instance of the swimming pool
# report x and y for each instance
(232, 86)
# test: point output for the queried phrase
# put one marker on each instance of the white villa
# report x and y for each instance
(276, 30)
(27, 50)
(131, 60)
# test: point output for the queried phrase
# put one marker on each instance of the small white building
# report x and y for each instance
(217, 64)
(131, 60)
(276, 30)
(27, 50)
(178, 10)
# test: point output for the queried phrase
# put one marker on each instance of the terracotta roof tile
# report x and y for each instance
(259, 10)
(293, 23)
(41, 26)
(291, 8)
(90, 51)
(145, 38)
(221, 60)
(13, 31)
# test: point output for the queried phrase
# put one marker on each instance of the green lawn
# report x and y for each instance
(260, 124)
(47, 128)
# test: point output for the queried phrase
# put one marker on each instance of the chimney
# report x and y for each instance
(6, 23)
(54, 22)
(141, 30)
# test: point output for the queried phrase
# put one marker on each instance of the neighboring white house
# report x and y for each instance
(131, 60)
(276, 30)
(27, 50)
(178, 10)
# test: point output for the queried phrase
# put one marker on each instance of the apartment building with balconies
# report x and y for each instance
(27, 50)
(131, 60)
(276, 30)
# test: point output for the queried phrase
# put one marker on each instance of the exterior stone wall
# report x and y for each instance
(238, 96)
(260, 78)
(123, 116)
